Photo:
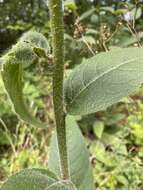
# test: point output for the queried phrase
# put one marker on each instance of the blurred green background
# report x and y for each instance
(114, 137)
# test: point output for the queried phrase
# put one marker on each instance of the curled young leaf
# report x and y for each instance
(22, 54)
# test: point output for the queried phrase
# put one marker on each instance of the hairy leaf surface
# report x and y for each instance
(80, 169)
(36, 179)
(103, 80)
(22, 54)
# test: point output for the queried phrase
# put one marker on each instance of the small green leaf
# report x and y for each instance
(105, 157)
(127, 41)
(136, 13)
(98, 128)
(80, 169)
(36, 179)
(103, 80)
(87, 14)
(20, 55)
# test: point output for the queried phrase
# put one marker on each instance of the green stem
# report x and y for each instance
(56, 16)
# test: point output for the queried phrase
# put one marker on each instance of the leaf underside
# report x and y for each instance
(103, 80)
(22, 54)
(79, 166)
(36, 179)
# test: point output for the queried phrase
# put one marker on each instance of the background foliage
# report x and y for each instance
(114, 137)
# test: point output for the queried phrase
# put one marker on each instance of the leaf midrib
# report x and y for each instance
(101, 75)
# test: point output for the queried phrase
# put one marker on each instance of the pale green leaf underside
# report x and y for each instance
(80, 169)
(22, 54)
(103, 80)
(36, 179)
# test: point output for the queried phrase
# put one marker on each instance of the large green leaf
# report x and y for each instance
(80, 169)
(103, 80)
(36, 179)
(30, 47)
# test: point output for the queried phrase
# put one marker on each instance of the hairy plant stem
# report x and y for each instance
(56, 16)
